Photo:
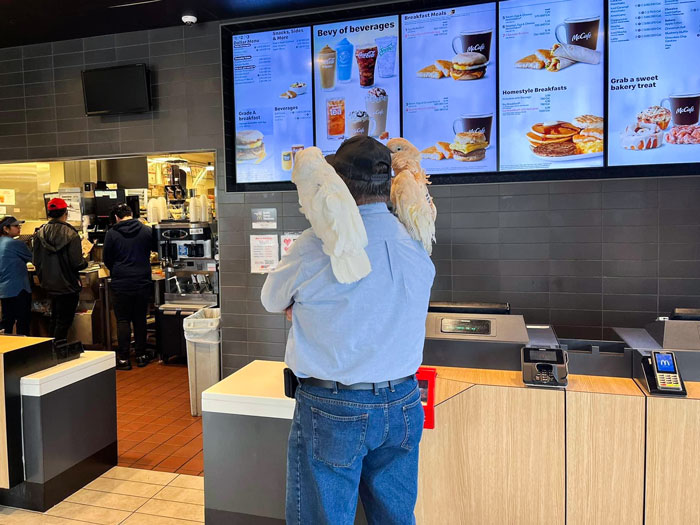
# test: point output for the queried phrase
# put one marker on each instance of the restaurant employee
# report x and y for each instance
(15, 291)
(355, 347)
(58, 259)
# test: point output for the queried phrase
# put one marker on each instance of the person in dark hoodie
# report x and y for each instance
(126, 253)
(58, 258)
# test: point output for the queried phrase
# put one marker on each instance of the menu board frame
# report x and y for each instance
(274, 22)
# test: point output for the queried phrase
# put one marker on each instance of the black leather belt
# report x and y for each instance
(334, 385)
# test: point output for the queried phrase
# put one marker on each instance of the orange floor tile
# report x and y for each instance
(154, 426)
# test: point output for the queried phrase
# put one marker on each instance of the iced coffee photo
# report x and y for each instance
(356, 80)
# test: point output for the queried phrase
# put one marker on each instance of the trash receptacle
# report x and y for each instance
(203, 347)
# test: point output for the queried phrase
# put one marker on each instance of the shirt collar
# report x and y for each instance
(374, 208)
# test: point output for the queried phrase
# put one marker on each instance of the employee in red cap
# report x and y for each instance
(58, 259)
(15, 291)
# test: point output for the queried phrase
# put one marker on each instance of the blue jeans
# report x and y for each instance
(350, 442)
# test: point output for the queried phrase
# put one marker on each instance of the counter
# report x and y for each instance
(500, 452)
(19, 356)
(69, 430)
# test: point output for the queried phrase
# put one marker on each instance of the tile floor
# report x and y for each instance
(124, 496)
(154, 425)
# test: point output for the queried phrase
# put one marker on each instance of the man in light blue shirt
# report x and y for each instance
(355, 349)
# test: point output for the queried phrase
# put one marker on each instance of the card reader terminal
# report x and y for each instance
(666, 371)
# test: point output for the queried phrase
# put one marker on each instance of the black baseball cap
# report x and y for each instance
(362, 158)
(9, 220)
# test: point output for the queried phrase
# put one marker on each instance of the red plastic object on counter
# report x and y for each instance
(426, 383)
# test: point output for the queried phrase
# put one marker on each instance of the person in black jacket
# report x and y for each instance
(126, 253)
(58, 258)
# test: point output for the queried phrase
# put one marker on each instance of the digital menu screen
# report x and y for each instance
(449, 87)
(654, 89)
(273, 102)
(356, 80)
(551, 70)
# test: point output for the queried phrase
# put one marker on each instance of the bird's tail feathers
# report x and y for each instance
(351, 267)
(424, 229)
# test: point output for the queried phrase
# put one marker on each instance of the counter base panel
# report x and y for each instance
(17, 364)
(486, 458)
(222, 517)
(41, 497)
(673, 453)
(605, 459)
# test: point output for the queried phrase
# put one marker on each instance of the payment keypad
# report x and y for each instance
(669, 381)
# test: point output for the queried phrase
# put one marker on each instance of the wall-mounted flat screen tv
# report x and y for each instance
(116, 90)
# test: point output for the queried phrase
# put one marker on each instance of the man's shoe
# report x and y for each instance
(143, 360)
(123, 364)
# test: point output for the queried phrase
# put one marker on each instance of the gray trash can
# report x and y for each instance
(203, 337)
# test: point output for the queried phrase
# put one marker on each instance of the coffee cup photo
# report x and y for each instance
(473, 42)
(684, 108)
(579, 32)
(473, 123)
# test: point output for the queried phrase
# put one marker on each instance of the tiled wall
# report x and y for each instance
(42, 114)
(584, 256)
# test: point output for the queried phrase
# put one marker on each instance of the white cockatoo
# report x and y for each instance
(335, 219)
(412, 202)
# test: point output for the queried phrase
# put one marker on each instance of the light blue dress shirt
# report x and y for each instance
(372, 330)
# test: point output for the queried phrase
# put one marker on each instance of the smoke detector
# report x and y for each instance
(189, 20)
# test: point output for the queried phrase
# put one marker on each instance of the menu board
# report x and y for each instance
(449, 87)
(654, 90)
(551, 84)
(356, 80)
(273, 102)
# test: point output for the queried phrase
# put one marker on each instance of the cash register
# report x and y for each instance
(474, 335)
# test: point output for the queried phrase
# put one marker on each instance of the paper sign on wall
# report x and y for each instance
(264, 253)
(286, 241)
(7, 197)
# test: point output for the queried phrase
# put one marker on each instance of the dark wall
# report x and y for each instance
(583, 255)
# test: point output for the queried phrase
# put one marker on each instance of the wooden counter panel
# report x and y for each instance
(487, 461)
(11, 343)
(447, 388)
(479, 376)
(605, 458)
(693, 390)
(673, 456)
(604, 385)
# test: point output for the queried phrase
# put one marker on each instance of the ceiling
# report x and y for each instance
(23, 22)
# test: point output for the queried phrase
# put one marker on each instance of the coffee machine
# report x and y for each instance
(187, 251)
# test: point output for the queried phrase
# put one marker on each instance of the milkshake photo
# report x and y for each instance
(356, 80)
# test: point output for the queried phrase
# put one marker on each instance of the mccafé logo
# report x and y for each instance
(335, 111)
(328, 62)
(687, 109)
(478, 130)
(477, 47)
(582, 36)
(370, 53)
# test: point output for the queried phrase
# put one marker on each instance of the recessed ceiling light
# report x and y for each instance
(131, 4)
